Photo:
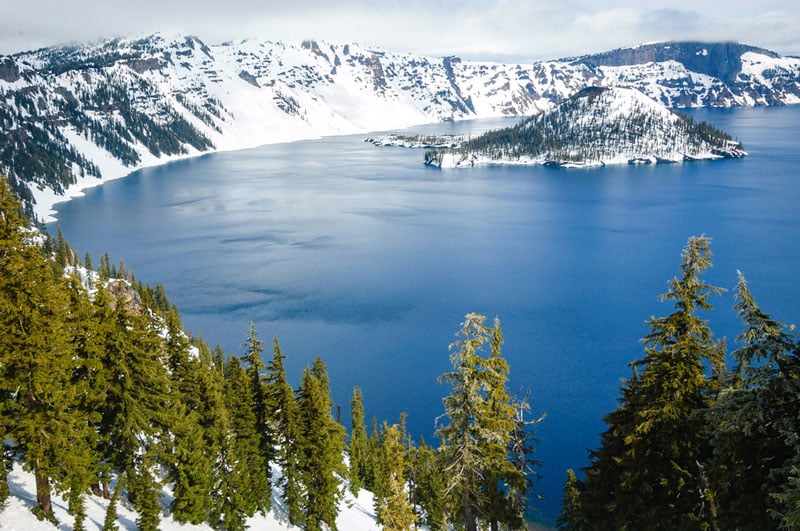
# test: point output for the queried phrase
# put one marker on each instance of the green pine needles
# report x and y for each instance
(693, 445)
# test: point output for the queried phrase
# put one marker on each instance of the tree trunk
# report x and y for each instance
(106, 493)
(95, 488)
(44, 504)
(469, 518)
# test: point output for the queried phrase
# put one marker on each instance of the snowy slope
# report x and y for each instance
(356, 514)
(98, 108)
(596, 126)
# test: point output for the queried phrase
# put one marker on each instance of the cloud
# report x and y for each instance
(502, 29)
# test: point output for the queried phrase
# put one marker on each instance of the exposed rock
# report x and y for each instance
(123, 293)
(9, 71)
(250, 78)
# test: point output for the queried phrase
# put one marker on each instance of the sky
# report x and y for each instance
(505, 30)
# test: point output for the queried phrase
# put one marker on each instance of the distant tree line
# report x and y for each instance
(103, 394)
(116, 114)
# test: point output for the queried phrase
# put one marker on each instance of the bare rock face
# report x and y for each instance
(8, 70)
(123, 293)
(721, 60)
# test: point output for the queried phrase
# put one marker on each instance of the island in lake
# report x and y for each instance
(595, 127)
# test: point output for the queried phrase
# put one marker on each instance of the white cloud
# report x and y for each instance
(502, 29)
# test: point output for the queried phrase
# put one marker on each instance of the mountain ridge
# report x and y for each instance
(73, 116)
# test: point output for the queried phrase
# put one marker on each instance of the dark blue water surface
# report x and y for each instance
(369, 259)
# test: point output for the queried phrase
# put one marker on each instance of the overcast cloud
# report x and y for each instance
(516, 30)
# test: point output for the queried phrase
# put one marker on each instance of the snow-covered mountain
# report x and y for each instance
(74, 114)
(596, 126)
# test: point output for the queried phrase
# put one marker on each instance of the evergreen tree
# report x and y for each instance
(283, 420)
(572, 514)
(196, 434)
(83, 329)
(522, 446)
(245, 483)
(394, 512)
(648, 471)
(320, 444)
(756, 423)
(39, 413)
(133, 427)
(429, 487)
(254, 347)
(481, 421)
(358, 443)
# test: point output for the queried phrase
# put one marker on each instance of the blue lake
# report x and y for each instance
(369, 259)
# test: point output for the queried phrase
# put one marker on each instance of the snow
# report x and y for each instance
(349, 89)
(662, 143)
(355, 513)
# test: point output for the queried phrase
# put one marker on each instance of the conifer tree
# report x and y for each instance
(522, 446)
(255, 367)
(245, 485)
(480, 424)
(756, 422)
(83, 330)
(394, 512)
(648, 471)
(283, 421)
(196, 434)
(429, 486)
(572, 515)
(358, 443)
(39, 413)
(133, 427)
(320, 446)
(503, 481)
(374, 463)
(212, 419)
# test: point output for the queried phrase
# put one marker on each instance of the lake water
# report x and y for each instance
(369, 259)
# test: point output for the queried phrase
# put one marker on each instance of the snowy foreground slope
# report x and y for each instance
(73, 116)
(356, 514)
(595, 127)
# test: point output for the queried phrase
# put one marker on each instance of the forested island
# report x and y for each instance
(594, 127)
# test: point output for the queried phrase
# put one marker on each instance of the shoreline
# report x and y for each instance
(46, 199)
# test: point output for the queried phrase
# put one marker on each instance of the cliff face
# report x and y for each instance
(721, 60)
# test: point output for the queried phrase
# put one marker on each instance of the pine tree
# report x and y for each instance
(358, 443)
(374, 463)
(504, 483)
(648, 471)
(522, 446)
(196, 435)
(756, 423)
(572, 514)
(481, 421)
(245, 483)
(283, 420)
(39, 413)
(254, 347)
(320, 447)
(429, 487)
(394, 512)
(133, 427)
